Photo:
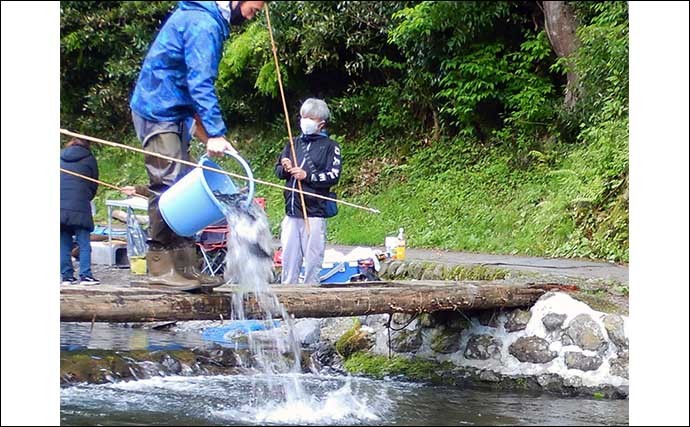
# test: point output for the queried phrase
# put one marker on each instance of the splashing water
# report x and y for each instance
(223, 400)
(249, 265)
(332, 406)
(248, 261)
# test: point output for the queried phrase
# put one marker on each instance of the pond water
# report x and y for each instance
(263, 399)
(258, 400)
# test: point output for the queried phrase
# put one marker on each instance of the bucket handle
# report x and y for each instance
(247, 169)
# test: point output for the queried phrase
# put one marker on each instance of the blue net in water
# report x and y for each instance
(224, 334)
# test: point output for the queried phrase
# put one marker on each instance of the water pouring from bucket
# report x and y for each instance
(204, 197)
(192, 204)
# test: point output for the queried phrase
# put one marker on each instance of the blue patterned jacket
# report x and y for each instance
(178, 75)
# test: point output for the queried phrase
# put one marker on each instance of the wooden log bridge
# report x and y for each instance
(106, 303)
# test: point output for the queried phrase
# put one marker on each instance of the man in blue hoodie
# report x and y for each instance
(174, 93)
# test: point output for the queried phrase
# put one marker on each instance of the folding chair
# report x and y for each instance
(212, 242)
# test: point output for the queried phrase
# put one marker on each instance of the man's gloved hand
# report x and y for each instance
(217, 146)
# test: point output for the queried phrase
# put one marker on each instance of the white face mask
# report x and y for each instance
(309, 126)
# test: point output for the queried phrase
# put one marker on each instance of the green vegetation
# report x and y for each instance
(476, 272)
(451, 115)
(415, 369)
(103, 366)
(352, 341)
(418, 270)
(521, 383)
(603, 302)
(90, 367)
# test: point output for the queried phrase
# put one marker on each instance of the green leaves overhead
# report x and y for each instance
(454, 68)
(102, 45)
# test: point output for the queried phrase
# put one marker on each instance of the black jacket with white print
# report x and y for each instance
(319, 156)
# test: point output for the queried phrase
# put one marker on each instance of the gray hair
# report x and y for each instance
(313, 107)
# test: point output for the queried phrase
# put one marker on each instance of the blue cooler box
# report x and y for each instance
(339, 272)
(336, 272)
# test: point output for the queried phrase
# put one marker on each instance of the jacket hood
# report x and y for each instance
(74, 153)
(212, 8)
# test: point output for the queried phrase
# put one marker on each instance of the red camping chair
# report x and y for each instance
(212, 242)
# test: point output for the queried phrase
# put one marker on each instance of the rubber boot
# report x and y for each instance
(162, 272)
(188, 265)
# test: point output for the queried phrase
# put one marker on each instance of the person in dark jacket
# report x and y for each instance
(318, 165)
(175, 94)
(76, 218)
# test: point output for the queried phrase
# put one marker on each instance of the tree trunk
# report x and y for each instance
(561, 26)
(437, 124)
(129, 304)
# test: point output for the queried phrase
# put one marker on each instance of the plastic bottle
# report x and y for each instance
(391, 244)
(400, 249)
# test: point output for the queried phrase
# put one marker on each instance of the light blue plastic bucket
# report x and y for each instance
(189, 205)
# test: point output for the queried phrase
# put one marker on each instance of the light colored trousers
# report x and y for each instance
(297, 245)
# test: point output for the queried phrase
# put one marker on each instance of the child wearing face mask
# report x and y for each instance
(318, 167)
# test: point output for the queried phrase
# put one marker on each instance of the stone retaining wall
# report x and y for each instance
(560, 345)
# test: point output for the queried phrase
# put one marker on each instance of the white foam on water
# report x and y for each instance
(173, 383)
(339, 406)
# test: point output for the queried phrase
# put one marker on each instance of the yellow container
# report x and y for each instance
(400, 251)
(137, 264)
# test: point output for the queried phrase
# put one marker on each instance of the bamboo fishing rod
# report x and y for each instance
(220, 171)
(99, 182)
(287, 118)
